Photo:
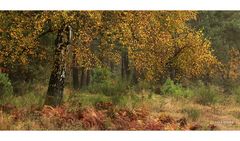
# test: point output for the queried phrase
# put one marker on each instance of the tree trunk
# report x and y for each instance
(112, 66)
(88, 77)
(75, 74)
(122, 67)
(125, 66)
(134, 76)
(172, 73)
(57, 78)
(82, 83)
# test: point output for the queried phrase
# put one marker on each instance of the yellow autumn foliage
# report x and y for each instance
(154, 40)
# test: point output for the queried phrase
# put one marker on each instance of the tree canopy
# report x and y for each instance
(157, 42)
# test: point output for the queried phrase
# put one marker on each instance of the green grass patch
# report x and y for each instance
(207, 95)
(192, 113)
(79, 100)
(26, 100)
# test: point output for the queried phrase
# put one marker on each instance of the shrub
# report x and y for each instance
(101, 75)
(169, 88)
(103, 82)
(6, 88)
(206, 95)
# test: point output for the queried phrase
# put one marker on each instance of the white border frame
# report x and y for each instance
(120, 135)
(120, 4)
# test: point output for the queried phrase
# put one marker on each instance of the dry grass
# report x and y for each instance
(147, 111)
(224, 116)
